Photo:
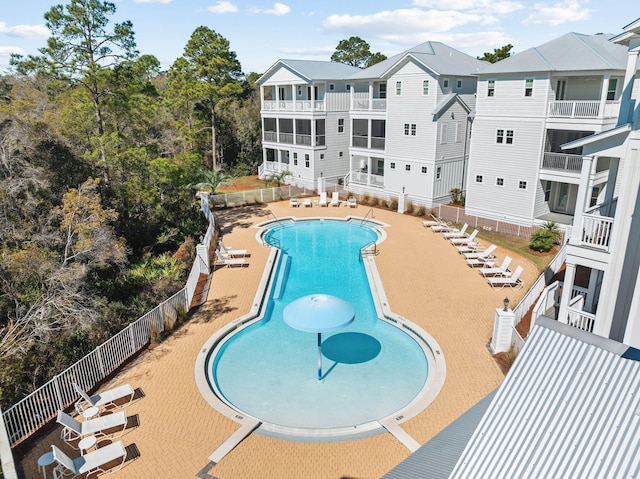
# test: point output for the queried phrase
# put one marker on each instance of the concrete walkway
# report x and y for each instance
(425, 280)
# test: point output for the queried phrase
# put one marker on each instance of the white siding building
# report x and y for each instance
(527, 106)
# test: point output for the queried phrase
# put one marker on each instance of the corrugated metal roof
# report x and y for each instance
(569, 408)
(438, 57)
(436, 458)
(572, 52)
(314, 70)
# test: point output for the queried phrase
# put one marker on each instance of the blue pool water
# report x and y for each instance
(371, 369)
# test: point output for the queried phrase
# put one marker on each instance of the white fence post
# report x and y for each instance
(502, 325)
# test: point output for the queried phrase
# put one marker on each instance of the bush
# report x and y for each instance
(382, 203)
(422, 211)
(542, 240)
(409, 207)
(457, 196)
(393, 204)
(365, 199)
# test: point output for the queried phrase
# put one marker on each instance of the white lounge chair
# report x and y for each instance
(481, 254)
(468, 248)
(434, 221)
(502, 270)
(443, 227)
(306, 203)
(323, 199)
(110, 398)
(460, 241)
(486, 259)
(513, 281)
(293, 201)
(229, 251)
(335, 199)
(92, 462)
(456, 233)
(351, 202)
(73, 429)
(227, 261)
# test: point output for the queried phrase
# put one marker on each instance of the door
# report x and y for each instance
(561, 87)
(563, 198)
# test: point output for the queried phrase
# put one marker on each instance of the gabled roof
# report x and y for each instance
(312, 70)
(572, 52)
(630, 31)
(437, 57)
(596, 137)
(446, 103)
(569, 407)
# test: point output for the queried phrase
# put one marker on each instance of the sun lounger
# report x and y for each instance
(112, 455)
(222, 260)
(323, 199)
(111, 398)
(485, 254)
(229, 251)
(434, 221)
(306, 203)
(502, 270)
(293, 201)
(351, 202)
(487, 262)
(443, 227)
(468, 248)
(72, 429)
(461, 241)
(513, 281)
(335, 199)
(456, 233)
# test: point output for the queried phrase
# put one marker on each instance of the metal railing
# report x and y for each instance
(562, 161)
(38, 408)
(574, 109)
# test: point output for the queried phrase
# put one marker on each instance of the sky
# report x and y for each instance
(262, 31)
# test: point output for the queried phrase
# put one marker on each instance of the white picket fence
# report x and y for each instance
(34, 411)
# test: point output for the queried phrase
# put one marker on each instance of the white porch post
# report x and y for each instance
(370, 105)
(369, 133)
(569, 278)
(614, 164)
(312, 97)
(581, 199)
(313, 132)
(502, 330)
(402, 201)
(603, 95)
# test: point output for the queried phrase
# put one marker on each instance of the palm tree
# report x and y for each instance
(211, 180)
(276, 178)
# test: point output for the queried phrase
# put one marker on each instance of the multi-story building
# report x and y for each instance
(605, 240)
(400, 126)
(410, 124)
(305, 127)
(530, 104)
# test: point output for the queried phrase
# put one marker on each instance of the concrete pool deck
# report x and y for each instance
(425, 280)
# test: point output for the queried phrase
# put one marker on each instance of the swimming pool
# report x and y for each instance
(372, 369)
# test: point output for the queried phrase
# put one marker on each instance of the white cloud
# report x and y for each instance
(278, 9)
(6, 51)
(497, 7)
(558, 13)
(393, 25)
(223, 7)
(25, 31)
(314, 51)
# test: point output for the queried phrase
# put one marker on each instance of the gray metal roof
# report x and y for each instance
(313, 70)
(437, 458)
(572, 52)
(438, 57)
(569, 407)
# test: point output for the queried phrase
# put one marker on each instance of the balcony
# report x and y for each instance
(290, 105)
(360, 177)
(562, 162)
(596, 229)
(270, 136)
(582, 109)
(363, 142)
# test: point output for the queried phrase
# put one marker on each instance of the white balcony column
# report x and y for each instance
(609, 190)
(569, 278)
(582, 198)
(262, 95)
(312, 98)
(370, 106)
(369, 133)
(313, 133)
(626, 102)
(593, 288)
(612, 308)
(632, 332)
(603, 95)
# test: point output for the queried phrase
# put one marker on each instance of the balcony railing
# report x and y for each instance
(270, 136)
(286, 138)
(561, 161)
(581, 319)
(574, 109)
(596, 231)
(363, 142)
(377, 143)
(361, 177)
(290, 105)
(365, 104)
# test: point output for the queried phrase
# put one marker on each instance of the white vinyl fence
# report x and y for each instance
(39, 407)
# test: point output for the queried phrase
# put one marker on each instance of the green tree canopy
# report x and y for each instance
(356, 52)
(497, 55)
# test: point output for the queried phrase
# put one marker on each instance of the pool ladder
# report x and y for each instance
(370, 249)
(365, 216)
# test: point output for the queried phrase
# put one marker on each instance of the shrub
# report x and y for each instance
(382, 203)
(542, 240)
(422, 211)
(365, 199)
(409, 207)
(457, 196)
(393, 204)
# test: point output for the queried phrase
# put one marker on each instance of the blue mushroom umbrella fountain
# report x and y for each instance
(318, 313)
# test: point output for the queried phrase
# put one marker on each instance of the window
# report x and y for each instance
(322, 156)
(522, 185)
(491, 87)
(340, 154)
(528, 87)
(340, 125)
(413, 129)
(445, 83)
(443, 134)
(547, 190)
(611, 90)
(509, 137)
(306, 160)
(500, 181)
(438, 172)
(407, 167)
(295, 159)
(423, 170)
(392, 165)
(500, 136)
(332, 86)
(478, 178)
(595, 193)
(459, 83)
(299, 90)
(348, 86)
(382, 88)
(458, 131)
(406, 129)
(425, 87)
(398, 88)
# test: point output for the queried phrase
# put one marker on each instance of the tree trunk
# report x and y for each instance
(213, 135)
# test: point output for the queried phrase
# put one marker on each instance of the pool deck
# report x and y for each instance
(426, 281)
